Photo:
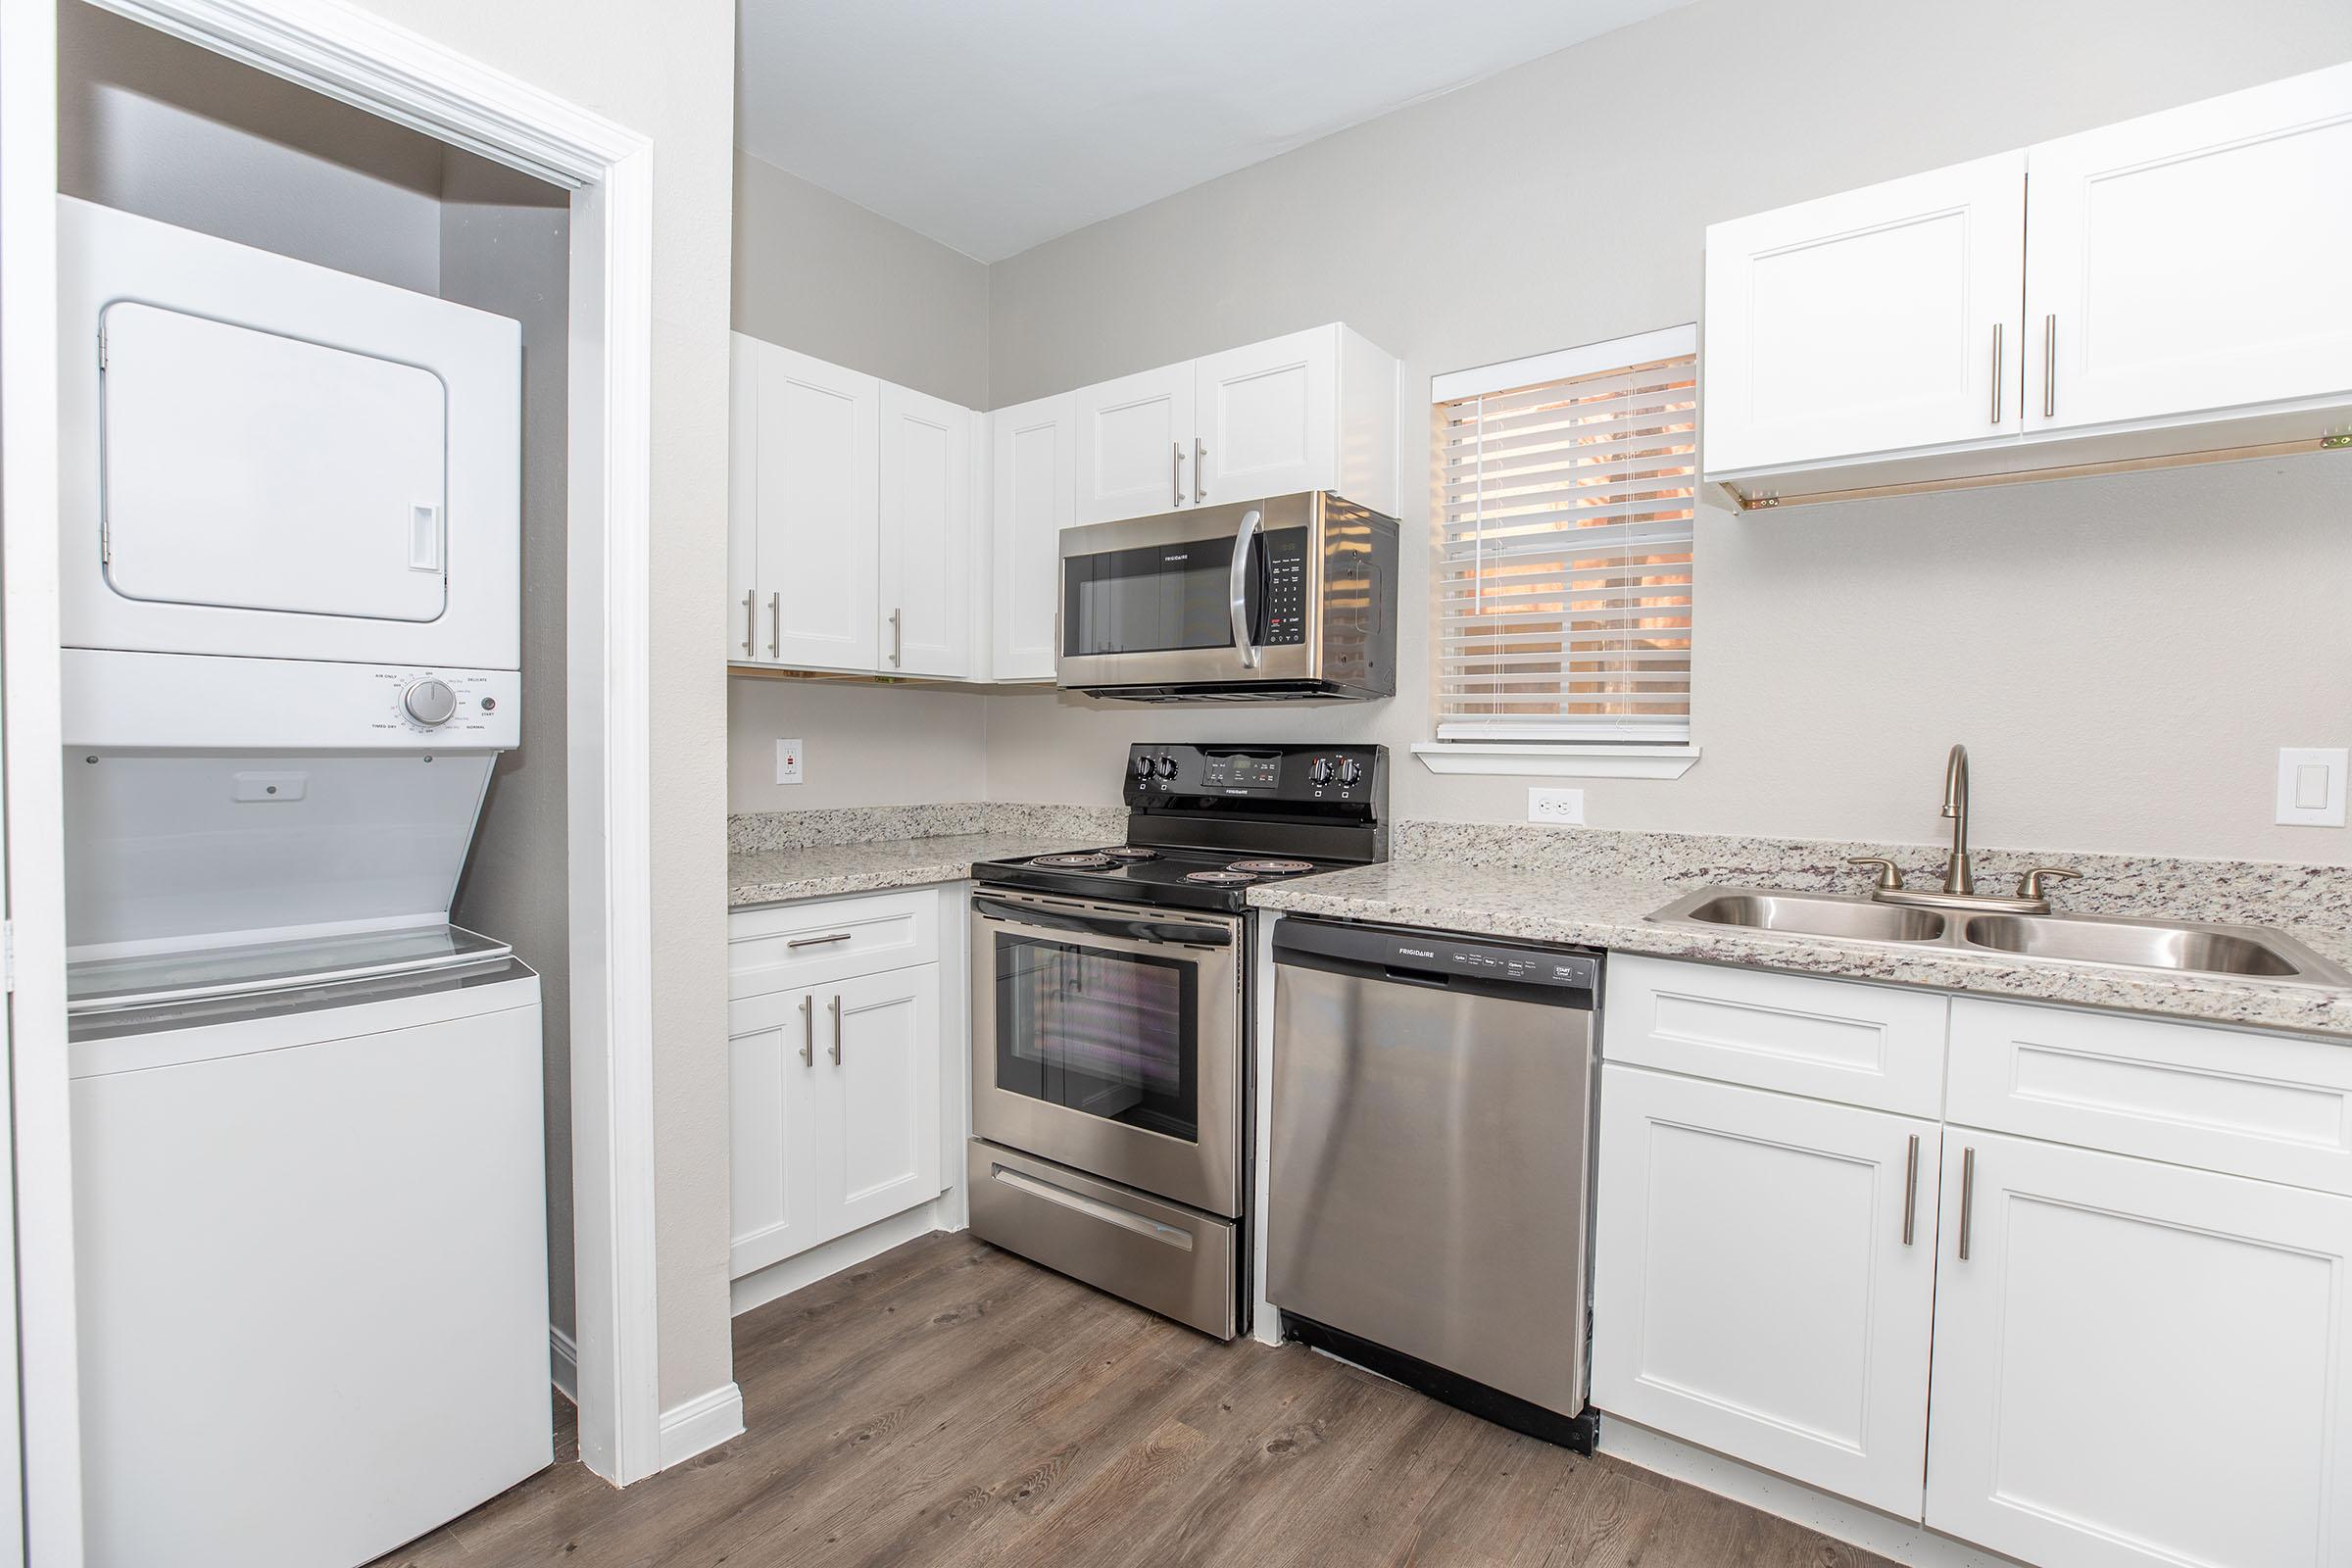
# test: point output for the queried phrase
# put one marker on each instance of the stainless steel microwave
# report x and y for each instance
(1289, 597)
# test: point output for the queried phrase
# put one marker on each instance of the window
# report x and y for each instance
(1567, 489)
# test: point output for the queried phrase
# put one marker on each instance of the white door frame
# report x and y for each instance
(352, 55)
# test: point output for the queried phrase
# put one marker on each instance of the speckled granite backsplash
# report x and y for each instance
(2244, 892)
(757, 832)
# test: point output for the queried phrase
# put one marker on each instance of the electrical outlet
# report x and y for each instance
(1559, 808)
(788, 762)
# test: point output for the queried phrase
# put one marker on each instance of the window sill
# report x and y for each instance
(1557, 760)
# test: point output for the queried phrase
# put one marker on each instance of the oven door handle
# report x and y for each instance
(1165, 931)
(1237, 587)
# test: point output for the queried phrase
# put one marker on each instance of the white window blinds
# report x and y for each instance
(1566, 499)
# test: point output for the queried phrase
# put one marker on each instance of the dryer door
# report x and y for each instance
(249, 471)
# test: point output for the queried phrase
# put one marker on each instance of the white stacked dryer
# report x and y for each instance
(309, 1198)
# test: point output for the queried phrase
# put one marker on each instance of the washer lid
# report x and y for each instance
(245, 469)
(103, 985)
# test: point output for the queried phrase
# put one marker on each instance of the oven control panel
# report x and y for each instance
(1160, 772)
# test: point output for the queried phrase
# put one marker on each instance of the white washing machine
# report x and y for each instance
(309, 1184)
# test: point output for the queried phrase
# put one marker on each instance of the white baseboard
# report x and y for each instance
(563, 1363)
(1838, 1517)
(703, 1422)
(762, 1286)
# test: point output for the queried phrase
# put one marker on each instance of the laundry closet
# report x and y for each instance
(312, 449)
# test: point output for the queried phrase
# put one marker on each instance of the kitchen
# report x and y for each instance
(1743, 1214)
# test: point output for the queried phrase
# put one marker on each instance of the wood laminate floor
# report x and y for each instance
(948, 1404)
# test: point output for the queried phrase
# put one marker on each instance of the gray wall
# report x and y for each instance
(828, 278)
(2122, 656)
(506, 245)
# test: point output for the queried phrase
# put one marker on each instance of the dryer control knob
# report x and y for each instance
(429, 701)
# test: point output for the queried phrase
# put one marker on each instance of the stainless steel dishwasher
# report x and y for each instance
(1432, 1153)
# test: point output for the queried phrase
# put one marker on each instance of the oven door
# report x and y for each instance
(1109, 1038)
(1216, 595)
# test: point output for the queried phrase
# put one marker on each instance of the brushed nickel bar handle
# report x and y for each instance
(835, 1005)
(1910, 1189)
(809, 1031)
(1176, 473)
(2049, 366)
(1200, 470)
(1968, 1196)
(776, 625)
(897, 638)
(817, 942)
(1996, 373)
(750, 623)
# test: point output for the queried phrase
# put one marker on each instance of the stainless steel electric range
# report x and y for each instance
(1112, 1018)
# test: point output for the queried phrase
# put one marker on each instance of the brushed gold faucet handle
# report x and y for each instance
(2034, 884)
(1890, 876)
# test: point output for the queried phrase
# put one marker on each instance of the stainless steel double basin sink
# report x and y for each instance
(2241, 951)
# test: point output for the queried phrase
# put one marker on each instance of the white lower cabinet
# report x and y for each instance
(1764, 1274)
(834, 1087)
(2129, 1242)
(2139, 1365)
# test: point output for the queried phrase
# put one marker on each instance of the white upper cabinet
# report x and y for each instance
(924, 607)
(1135, 445)
(2137, 1364)
(2193, 261)
(818, 442)
(1265, 419)
(1867, 322)
(1764, 1276)
(2160, 288)
(1034, 496)
(1311, 410)
(743, 496)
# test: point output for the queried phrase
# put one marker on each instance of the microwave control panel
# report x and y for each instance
(1286, 587)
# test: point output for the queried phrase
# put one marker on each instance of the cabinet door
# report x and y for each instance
(771, 1088)
(819, 459)
(881, 1142)
(2194, 260)
(1135, 445)
(1035, 495)
(743, 498)
(924, 610)
(1764, 1271)
(2139, 1365)
(1267, 419)
(1873, 320)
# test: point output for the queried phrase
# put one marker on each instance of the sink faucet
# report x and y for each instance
(1959, 890)
(1958, 879)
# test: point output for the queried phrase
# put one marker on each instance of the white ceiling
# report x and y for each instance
(992, 125)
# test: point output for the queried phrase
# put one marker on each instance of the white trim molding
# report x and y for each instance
(700, 1424)
(1666, 343)
(355, 56)
(563, 1363)
(1557, 760)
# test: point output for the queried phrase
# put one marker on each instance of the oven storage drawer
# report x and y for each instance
(786, 946)
(1174, 1260)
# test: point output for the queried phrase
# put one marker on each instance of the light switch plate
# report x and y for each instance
(788, 762)
(2311, 785)
(1559, 808)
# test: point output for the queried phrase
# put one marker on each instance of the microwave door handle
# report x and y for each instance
(1238, 587)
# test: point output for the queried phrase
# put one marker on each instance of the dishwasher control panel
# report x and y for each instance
(1437, 954)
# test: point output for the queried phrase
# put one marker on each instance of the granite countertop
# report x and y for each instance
(1605, 909)
(818, 870)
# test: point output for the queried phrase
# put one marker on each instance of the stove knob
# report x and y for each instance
(1349, 771)
(1319, 770)
(1167, 765)
(429, 701)
(1142, 769)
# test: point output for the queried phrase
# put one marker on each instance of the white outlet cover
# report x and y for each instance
(2311, 785)
(1557, 807)
(788, 762)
